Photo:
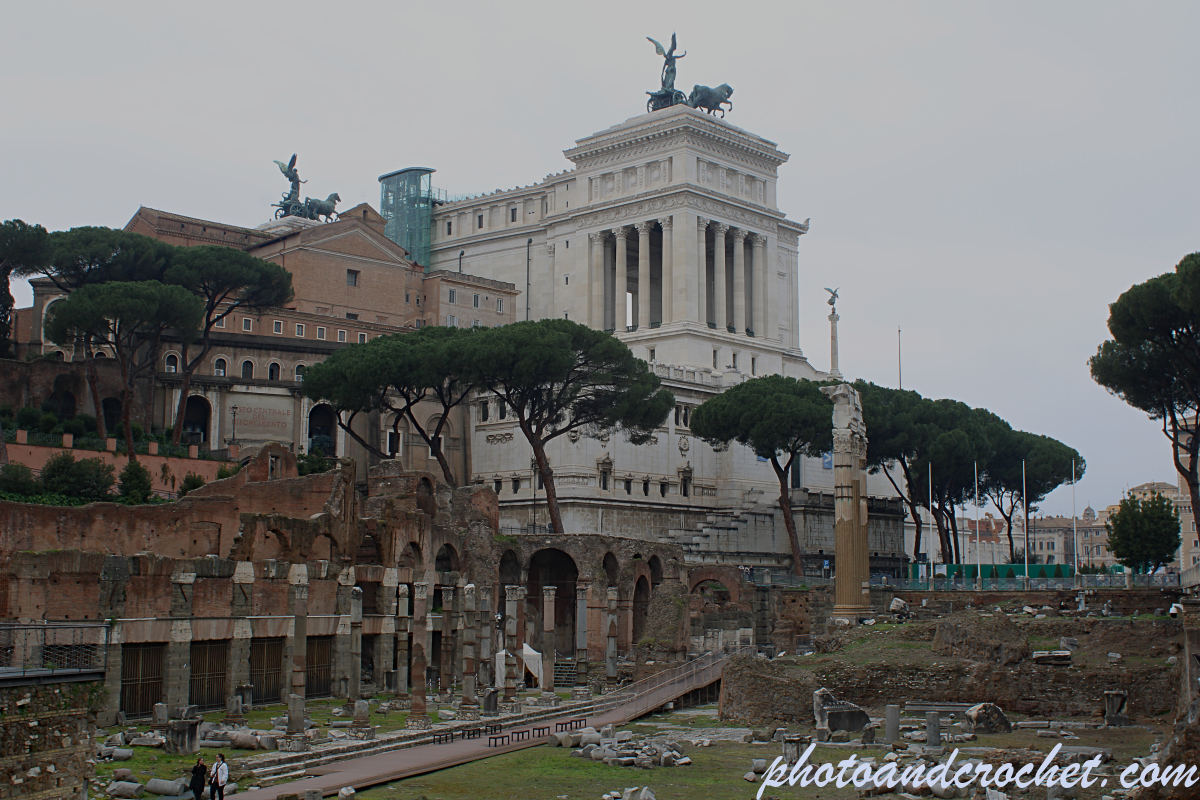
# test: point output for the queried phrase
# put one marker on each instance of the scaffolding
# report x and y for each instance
(406, 200)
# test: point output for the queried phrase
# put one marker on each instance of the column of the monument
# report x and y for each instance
(610, 653)
(547, 686)
(354, 687)
(703, 299)
(846, 595)
(596, 280)
(469, 708)
(643, 293)
(487, 629)
(720, 278)
(758, 267)
(418, 718)
(446, 661)
(739, 281)
(551, 279)
(298, 595)
(511, 595)
(621, 284)
(403, 640)
(666, 272)
(770, 255)
(581, 691)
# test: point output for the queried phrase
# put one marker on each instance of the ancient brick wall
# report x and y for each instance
(45, 742)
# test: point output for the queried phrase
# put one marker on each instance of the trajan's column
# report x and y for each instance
(852, 596)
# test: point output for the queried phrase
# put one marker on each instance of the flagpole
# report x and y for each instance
(978, 555)
(1074, 534)
(1025, 502)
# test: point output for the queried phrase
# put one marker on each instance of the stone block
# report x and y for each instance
(124, 789)
(160, 786)
(121, 754)
(988, 718)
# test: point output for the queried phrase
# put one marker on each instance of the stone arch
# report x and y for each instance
(446, 559)
(611, 569)
(197, 413)
(510, 571)
(656, 570)
(425, 497)
(729, 577)
(553, 567)
(411, 558)
(641, 605)
(62, 403)
(322, 429)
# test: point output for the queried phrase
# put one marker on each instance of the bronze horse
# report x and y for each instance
(711, 98)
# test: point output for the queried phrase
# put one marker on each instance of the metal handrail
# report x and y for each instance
(635, 701)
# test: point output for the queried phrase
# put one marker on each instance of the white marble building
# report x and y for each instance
(667, 232)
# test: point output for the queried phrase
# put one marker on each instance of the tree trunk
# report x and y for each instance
(436, 451)
(954, 534)
(789, 522)
(543, 466)
(126, 402)
(93, 382)
(177, 434)
(913, 506)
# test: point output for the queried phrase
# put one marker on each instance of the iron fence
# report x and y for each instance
(33, 649)
(961, 584)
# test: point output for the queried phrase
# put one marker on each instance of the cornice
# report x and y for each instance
(713, 206)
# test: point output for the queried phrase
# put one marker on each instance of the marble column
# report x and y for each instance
(354, 690)
(610, 654)
(487, 629)
(739, 281)
(849, 508)
(446, 672)
(469, 709)
(511, 595)
(758, 266)
(581, 634)
(667, 271)
(548, 593)
(403, 634)
(720, 278)
(418, 718)
(298, 591)
(703, 294)
(621, 286)
(596, 280)
(834, 372)
(644, 301)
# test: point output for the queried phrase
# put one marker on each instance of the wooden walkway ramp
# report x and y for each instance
(615, 708)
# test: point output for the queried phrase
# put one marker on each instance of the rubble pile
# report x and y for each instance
(618, 748)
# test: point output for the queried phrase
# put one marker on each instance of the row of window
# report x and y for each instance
(475, 301)
(342, 336)
(221, 368)
(734, 365)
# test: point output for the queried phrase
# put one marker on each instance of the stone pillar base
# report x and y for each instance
(363, 732)
(510, 708)
(549, 700)
(418, 722)
(292, 743)
(581, 693)
(468, 713)
(402, 702)
(851, 613)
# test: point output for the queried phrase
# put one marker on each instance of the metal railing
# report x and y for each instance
(1099, 581)
(1190, 577)
(52, 648)
(649, 693)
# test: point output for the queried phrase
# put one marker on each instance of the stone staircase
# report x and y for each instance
(564, 674)
(284, 766)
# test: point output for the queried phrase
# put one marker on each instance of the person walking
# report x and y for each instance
(220, 776)
(199, 775)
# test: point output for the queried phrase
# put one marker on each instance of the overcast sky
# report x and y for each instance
(987, 176)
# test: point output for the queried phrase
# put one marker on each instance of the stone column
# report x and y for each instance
(739, 281)
(403, 637)
(770, 257)
(621, 286)
(610, 654)
(418, 718)
(643, 301)
(511, 595)
(720, 277)
(354, 690)
(446, 671)
(666, 271)
(547, 686)
(891, 724)
(596, 280)
(487, 629)
(834, 372)
(553, 278)
(469, 708)
(762, 295)
(703, 293)
(298, 594)
(849, 505)
(177, 685)
(581, 692)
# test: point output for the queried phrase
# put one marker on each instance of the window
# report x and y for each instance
(247, 323)
(452, 321)
(247, 370)
(483, 411)
(628, 486)
(453, 296)
(418, 301)
(646, 488)
(341, 336)
(475, 302)
(352, 277)
(512, 214)
(753, 365)
(499, 486)
(300, 329)
(362, 338)
(474, 323)
(735, 366)
(715, 354)
(678, 414)
(407, 297)
(351, 316)
(566, 280)
(479, 221)
(320, 332)
(516, 485)
(273, 372)
(501, 409)
(651, 354)
(393, 442)
(219, 368)
(278, 326)
(300, 368)
(449, 227)
(604, 480)
(683, 487)
(172, 363)
(568, 241)
(687, 416)
(219, 323)
(499, 305)
(662, 489)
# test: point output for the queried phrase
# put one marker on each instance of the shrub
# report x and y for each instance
(321, 445)
(28, 418)
(89, 423)
(228, 471)
(190, 481)
(18, 479)
(90, 479)
(135, 483)
(75, 427)
(47, 422)
(139, 433)
(312, 463)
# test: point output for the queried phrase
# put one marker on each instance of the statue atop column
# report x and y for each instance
(834, 372)
(310, 208)
(666, 96)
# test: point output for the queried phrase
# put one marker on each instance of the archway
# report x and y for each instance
(425, 499)
(510, 570)
(446, 559)
(322, 433)
(611, 569)
(641, 605)
(410, 557)
(61, 403)
(553, 567)
(196, 414)
(656, 570)
(727, 579)
(112, 414)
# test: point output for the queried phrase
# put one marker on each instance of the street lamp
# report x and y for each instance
(233, 410)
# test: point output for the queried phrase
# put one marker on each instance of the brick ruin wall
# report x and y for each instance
(46, 739)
